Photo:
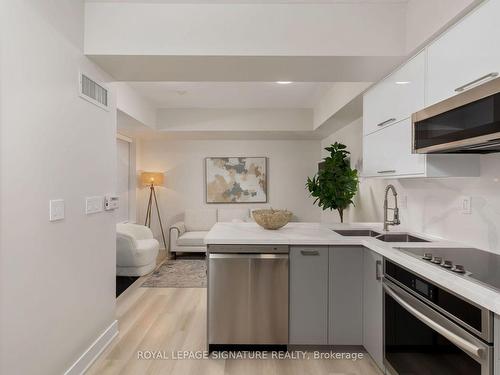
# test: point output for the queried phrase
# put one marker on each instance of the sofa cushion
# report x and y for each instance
(228, 215)
(200, 220)
(194, 238)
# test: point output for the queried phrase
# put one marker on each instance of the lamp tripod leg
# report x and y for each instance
(150, 210)
(147, 222)
(159, 219)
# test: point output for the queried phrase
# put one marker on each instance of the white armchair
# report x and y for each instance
(136, 250)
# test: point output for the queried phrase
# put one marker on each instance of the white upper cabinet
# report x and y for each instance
(387, 153)
(396, 97)
(466, 55)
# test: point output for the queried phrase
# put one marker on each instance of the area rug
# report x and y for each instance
(180, 273)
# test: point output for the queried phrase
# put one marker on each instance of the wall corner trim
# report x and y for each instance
(90, 355)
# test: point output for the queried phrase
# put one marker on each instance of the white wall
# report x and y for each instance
(289, 164)
(235, 119)
(123, 182)
(265, 29)
(424, 18)
(335, 99)
(57, 283)
(245, 29)
(433, 203)
(369, 198)
(131, 103)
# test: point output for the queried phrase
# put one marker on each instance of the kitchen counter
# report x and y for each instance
(318, 234)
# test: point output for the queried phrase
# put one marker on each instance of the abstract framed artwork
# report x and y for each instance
(236, 180)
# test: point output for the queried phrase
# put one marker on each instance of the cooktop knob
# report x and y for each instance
(437, 260)
(447, 264)
(458, 268)
(427, 256)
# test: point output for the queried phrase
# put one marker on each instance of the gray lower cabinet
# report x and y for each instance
(345, 312)
(336, 298)
(373, 306)
(496, 356)
(308, 295)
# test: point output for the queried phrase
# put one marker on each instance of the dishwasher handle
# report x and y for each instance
(248, 256)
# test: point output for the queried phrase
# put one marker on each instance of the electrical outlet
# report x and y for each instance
(94, 205)
(56, 209)
(466, 205)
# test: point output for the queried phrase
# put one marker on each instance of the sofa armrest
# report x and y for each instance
(138, 232)
(174, 232)
(180, 227)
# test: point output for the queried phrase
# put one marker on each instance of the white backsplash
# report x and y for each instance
(433, 205)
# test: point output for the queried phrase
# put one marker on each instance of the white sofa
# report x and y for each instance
(136, 250)
(189, 235)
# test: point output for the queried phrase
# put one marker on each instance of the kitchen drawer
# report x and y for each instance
(396, 97)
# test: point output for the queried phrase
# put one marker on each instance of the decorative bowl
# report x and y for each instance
(272, 219)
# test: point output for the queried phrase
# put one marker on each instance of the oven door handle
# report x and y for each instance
(463, 344)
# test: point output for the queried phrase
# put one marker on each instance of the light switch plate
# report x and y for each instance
(94, 205)
(56, 209)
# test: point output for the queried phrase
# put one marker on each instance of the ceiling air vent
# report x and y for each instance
(93, 92)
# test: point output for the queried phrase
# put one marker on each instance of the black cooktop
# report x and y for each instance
(478, 265)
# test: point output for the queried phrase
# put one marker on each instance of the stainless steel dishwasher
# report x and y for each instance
(247, 295)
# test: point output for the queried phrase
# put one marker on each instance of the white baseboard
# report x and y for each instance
(92, 353)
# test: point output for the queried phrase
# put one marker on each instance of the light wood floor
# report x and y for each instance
(174, 319)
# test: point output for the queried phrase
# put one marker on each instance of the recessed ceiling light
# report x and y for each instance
(403, 82)
(283, 82)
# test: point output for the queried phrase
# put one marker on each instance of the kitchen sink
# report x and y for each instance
(399, 237)
(357, 232)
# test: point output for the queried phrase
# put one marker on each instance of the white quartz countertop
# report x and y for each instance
(307, 234)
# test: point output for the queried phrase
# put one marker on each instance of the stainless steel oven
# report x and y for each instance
(429, 330)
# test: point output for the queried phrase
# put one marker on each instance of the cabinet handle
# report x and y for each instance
(386, 122)
(309, 252)
(464, 87)
(378, 273)
(387, 171)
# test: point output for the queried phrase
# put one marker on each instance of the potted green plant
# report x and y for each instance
(336, 183)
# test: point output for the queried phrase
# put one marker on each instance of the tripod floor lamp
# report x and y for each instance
(153, 179)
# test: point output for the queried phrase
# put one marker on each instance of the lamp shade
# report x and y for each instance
(155, 178)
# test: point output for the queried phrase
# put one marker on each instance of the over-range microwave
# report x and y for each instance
(468, 122)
